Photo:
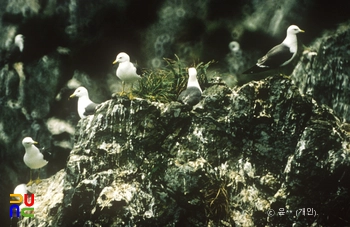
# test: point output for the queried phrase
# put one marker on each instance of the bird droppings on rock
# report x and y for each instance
(144, 162)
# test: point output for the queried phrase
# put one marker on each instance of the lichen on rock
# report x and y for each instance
(237, 154)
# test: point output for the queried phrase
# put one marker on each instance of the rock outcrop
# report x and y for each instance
(238, 155)
(325, 68)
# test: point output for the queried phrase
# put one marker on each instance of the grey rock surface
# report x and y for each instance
(323, 72)
(239, 153)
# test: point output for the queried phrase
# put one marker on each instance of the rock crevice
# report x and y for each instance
(239, 153)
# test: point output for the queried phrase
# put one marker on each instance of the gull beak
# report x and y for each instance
(34, 142)
(114, 62)
(302, 30)
(71, 96)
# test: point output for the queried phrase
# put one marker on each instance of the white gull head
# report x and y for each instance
(122, 57)
(80, 92)
(28, 142)
(291, 38)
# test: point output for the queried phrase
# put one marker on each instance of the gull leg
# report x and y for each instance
(37, 181)
(283, 74)
(123, 92)
(30, 178)
(130, 95)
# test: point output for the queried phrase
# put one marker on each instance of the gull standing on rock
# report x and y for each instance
(127, 71)
(279, 55)
(193, 93)
(85, 105)
(33, 158)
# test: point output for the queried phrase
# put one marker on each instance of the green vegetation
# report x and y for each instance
(166, 84)
(216, 194)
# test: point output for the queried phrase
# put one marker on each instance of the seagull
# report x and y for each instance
(85, 105)
(279, 55)
(12, 53)
(20, 189)
(193, 93)
(33, 158)
(127, 71)
(19, 42)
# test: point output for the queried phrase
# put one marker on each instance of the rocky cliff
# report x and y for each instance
(325, 68)
(238, 155)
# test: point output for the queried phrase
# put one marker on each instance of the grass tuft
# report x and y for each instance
(165, 85)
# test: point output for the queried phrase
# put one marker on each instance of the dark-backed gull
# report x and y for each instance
(85, 105)
(279, 55)
(193, 93)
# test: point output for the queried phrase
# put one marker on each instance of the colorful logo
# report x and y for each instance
(25, 211)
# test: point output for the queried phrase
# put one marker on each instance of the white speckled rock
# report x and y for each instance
(240, 151)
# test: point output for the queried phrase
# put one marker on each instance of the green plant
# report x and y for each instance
(216, 196)
(155, 86)
(221, 184)
(217, 201)
(166, 84)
